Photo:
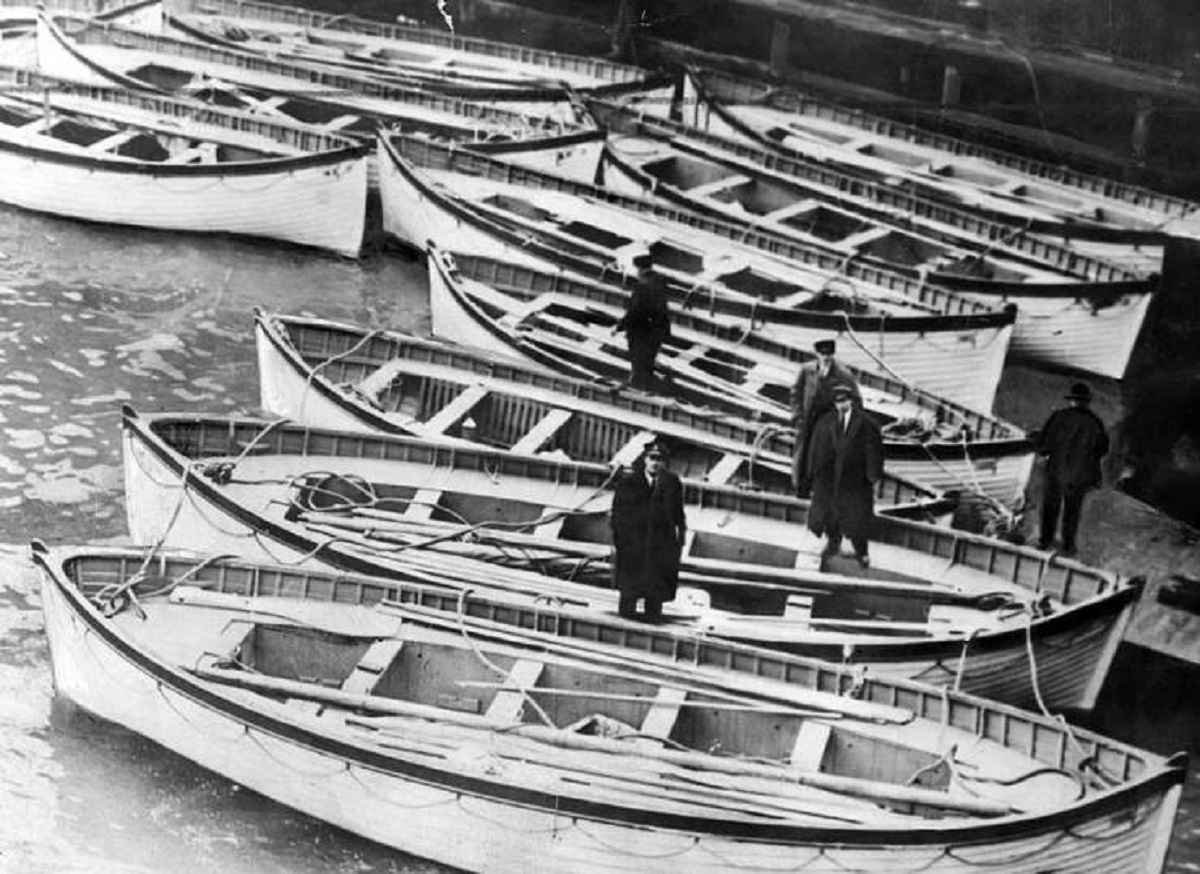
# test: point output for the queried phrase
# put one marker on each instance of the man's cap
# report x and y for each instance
(825, 347)
(842, 392)
(657, 446)
(1080, 392)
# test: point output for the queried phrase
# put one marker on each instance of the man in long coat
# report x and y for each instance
(845, 461)
(648, 529)
(1072, 442)
(646, 323)
(811, 398)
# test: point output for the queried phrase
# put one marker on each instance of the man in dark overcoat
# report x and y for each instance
(646, 322)
(845, 461)
(1072, 442)
(648, 529)
(811, 398)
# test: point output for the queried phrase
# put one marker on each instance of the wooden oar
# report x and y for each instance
(651, 794)
(834, 806)
(613, 696)
(771, 799)
(854, 786)
(390, 527)
(749, 688)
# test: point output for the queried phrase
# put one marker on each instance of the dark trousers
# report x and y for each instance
(1070, 500)
(642, 353)
(834, 534)
(627, 607)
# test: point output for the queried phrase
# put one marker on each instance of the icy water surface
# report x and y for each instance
(92, 318)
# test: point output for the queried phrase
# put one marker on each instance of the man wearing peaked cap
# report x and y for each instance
(810, 398)
(845, 461)
(646, 322)
(1072, 442)
(648, 529)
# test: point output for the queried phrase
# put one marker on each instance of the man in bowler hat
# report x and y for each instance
(648, 529)
(845, 460)
(811, 397)
(1072, 442)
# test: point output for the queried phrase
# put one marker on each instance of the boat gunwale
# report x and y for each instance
(149, 429)
(1006, 438)
(204, 115)
(994, 318)
(1136, 791)
(276, 330)
(808, 171)
(480, 92)
(1079, 288)
(472, 104)
(272, 13)
(764, 243)
(270, 165)
(1095, 184)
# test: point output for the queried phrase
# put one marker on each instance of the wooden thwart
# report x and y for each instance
(811, 742)
(457, 409)
(661, 718)
(375, 382)
(510, 700)
(366, 674)
(725, 468)
(854, 786)
(422, 504)
(549, 425)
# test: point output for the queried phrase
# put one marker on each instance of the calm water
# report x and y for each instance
(91, 318)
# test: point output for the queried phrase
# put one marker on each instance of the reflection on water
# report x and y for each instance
(91, 318)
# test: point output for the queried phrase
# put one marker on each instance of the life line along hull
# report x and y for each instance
(960, 363)
(312, 201)
(427, 810)
(1074, 646)
(290, 387)
(1000, 470)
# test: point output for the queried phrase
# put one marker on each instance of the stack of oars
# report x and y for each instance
(757, 788)
(390, 532)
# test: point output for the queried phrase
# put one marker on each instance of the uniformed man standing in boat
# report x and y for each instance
(812, 397)
(648, 530)
(646, 322)
(845, 460)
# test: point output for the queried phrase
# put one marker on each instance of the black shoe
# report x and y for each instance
(832, 549)
(1044, 545)
(864, 560)
(1068, 551)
